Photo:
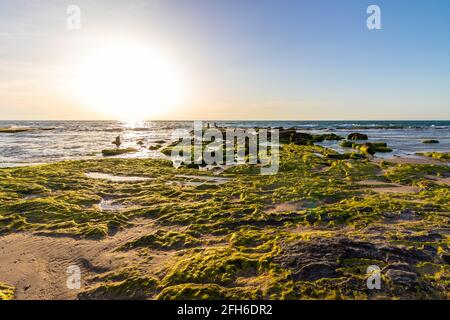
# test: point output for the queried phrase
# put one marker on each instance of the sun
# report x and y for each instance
(129, 82)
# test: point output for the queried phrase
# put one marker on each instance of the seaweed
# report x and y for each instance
(231, 241)
(116, 152)
(6, 291)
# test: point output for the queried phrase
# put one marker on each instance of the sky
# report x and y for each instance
(237, 59)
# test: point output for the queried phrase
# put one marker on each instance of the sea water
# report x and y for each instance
(85, 139)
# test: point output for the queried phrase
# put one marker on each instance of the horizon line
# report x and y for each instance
(224, 120)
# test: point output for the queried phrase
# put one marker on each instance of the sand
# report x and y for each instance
(36, 265)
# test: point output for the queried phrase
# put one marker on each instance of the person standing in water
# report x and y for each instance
(117, 142)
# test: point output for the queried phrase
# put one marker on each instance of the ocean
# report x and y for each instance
(85, 139)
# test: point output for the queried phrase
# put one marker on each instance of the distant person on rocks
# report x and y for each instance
(117, 142)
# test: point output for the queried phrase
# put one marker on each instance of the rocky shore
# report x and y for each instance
(142, 229)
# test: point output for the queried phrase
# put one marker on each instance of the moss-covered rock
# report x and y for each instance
(118, 151)
(132, 287)
(444, 156)
(164, 241)
(357, 136)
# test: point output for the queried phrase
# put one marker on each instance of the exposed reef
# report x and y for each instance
(443, 156)
(118, 151)
(308, 232)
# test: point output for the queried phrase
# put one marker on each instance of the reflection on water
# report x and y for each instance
(86, 139)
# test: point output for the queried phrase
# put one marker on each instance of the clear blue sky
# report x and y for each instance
(243, 59)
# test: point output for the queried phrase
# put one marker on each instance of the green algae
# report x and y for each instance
(412, 173)
(227, 238)
(6, 292)
(116, 152)
(163, 241)
(221, 266)
(443, 156)
(192, 291)
(131, 287)
(368, 147)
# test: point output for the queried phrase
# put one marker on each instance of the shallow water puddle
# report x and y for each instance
(32, 196)
(200, 180)
(184, 183)
(318, 154)
(374, 183)
(292, 206)
(207, 179)
(110, 177)
(109, 205)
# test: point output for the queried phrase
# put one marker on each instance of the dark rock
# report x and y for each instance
(398, 266)
(430, 249)
(320, 256)
(378, 144)
(431, 237)
(286, 135)
(317, 270)
(301, 138)
(292, 136)
(406, 278)
(310, 218)
(357, 136)
(346, 144)
(327, 137)
(366, 148)
(430, 141)
(345, 156)
(405, 254)
(359, 250)
(446, 258)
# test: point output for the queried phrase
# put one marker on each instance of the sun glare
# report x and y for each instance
(129, 82)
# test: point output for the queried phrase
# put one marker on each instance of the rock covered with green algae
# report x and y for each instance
(368, 147)
(118, 151)
(228, 242)
(163, 241)
(444, 156)
(121, 286)
(357, 136)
